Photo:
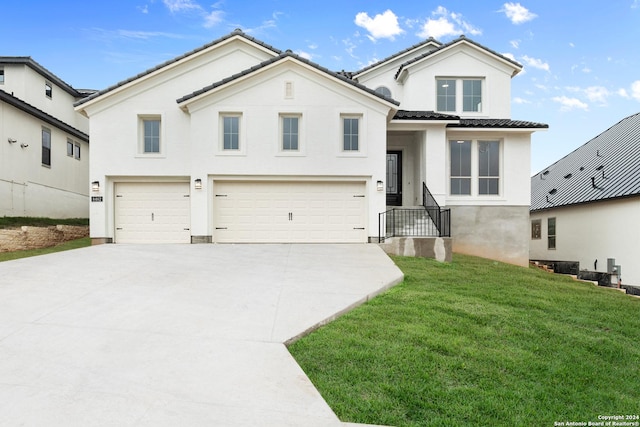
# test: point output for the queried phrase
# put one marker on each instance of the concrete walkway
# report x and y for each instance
(190, 335)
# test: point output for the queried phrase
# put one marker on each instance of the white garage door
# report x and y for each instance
(152, 212)
(314, 212)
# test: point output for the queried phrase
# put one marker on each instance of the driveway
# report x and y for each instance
(167, 335)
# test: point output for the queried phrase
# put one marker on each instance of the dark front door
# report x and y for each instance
(394, 178)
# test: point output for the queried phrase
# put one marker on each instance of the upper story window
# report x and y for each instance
(1, 75)
(350, 133)
(536, 229)
(459, 95)
(384, 91)
(76, 151)
(551, 233)
(69, 148)
(46, 147)
(48, 89)
(231, 132)
(290, 132)
(150, 135)
(465, 178)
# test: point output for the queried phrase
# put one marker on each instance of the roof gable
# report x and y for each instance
(460, 41)
(280, 59)
(235, 35)
(606, 167)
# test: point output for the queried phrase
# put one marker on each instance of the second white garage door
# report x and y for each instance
(278, 212)
(148, 212)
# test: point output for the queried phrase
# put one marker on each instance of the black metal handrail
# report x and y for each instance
(440, 217)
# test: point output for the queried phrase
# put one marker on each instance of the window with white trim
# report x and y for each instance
(230, 131)
(290, 132)
(76, 151)
(474, 167)
(151, 139)
(48, 89)
(350, 133)
(459, 95)
(551, 233)
(46, 147)
(69, 148)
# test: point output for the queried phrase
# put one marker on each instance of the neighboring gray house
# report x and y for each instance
(586, 206)
(44, 143)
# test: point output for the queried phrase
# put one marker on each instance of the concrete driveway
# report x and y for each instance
(192, 335)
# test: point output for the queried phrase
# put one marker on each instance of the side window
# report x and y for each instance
(350, 133)
(46, 147)
(460, 154)
(48, 89)
(231, 132)
(151, 139)
(76, 151)
(384, 91)
(551, 233)
(290, 125)
(69, 148)
(488, 167)
(536, 229)
(446, 94)
(1, 76)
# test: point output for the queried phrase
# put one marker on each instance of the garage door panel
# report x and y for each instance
(290, 212)
(152, 213)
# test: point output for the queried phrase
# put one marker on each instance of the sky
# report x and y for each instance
(581, 58)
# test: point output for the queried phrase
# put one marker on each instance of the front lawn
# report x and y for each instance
(476, 343)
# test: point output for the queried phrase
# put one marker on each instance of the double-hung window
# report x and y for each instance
(76, 151)
(459, 95)
(460, 167)
(350, 133)
(46, 147)
(69, 148)
(231, 132)
(488, 167)
(551, 233)
(151, 135)
(290, 132)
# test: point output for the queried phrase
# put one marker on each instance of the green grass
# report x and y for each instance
(476, 342)
(72, 244)
(11, 222)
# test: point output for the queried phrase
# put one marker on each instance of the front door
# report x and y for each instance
(394, 178)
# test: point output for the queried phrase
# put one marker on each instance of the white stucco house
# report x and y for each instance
(238, 141)
(585, 207)
(44, 143)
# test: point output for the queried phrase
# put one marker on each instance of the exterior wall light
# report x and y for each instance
(95, 186)
(380, 185)
(11, 141)
(198, 184)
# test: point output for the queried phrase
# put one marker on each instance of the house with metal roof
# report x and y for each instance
(585, 207)
(44, 143)
(237, 141)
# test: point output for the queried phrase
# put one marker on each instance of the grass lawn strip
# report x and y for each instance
(476, 342)
(72, 244)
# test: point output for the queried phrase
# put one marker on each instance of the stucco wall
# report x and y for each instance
(594, 231)
(494, 232)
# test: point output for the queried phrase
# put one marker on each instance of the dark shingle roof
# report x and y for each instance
(236, 32)
(451, 43)
(278, 58)
(395, 55)
(28, 61)
(497, 123)
(41, 115)
(606, 167)
(423, 115)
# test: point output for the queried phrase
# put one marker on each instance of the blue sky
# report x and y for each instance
(581, 61)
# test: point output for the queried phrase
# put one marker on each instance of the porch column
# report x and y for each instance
(435, 159)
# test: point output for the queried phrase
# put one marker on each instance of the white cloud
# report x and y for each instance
(517, 13)
(597, 94)
(515, 43)
(445, 23)
(181, 5)
(303, 54)
(568, 104)
(510, 56)
(623, 93)
(214, 18)
(518, 100)
(535, 63)
(381, 26)
(635, 90)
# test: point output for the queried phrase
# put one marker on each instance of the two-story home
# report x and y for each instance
(238, 141)
(44, 143)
